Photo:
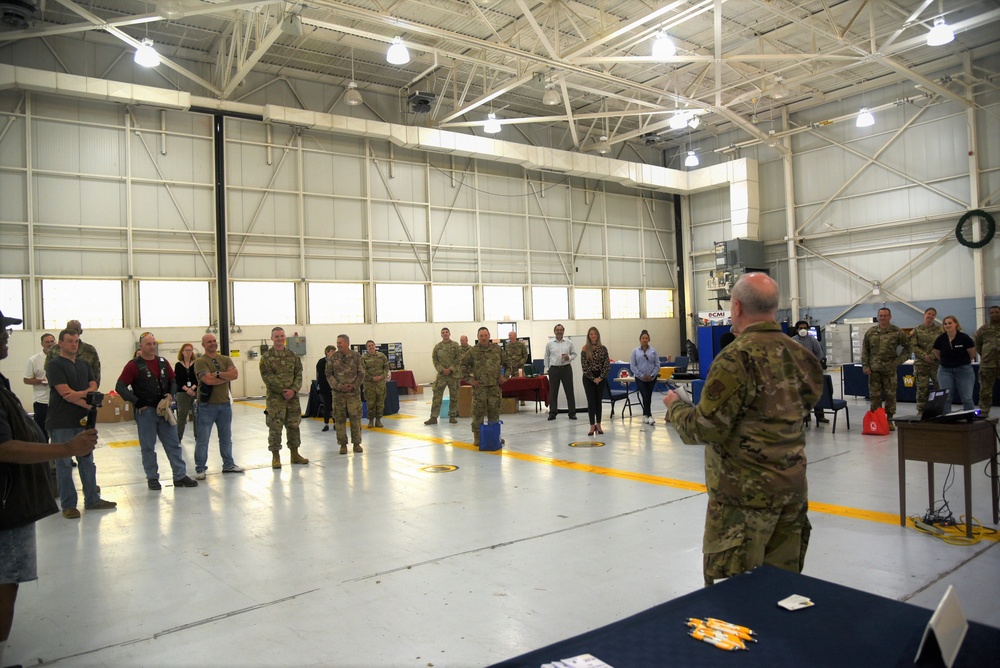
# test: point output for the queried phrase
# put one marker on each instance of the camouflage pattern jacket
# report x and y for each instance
(448, 356)
(484, 364)
(922, 340)
(987, 339)
(345, 369)
(375, 365)
(878, 350)
(280, 371)
(757, 395)
(517, 354)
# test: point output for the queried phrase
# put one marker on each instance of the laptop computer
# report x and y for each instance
(938, 404)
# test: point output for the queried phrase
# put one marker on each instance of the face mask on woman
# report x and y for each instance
(803, 333)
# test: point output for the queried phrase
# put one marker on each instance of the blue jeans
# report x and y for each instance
(64, 472)
(206, 416)
(960, 380)
(151, 425)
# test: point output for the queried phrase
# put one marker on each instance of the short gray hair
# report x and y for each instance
(757, 299)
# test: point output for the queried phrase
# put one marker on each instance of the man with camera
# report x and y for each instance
(72, 383)
(147, 381)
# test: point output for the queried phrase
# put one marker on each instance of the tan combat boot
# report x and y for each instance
(343, 449)
(275, 460)
(431, 420)
(453, 420)
(297, 458)
(371, 423)
(358, 448)
(378, 423)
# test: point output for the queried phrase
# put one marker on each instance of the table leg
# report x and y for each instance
(995, 488)
(902, 488)
(930, 487)
(968, 500)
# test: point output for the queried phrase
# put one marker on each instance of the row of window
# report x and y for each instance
(98, 303)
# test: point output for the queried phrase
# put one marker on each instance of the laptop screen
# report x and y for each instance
(938, 403)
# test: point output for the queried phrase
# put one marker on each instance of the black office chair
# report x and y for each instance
(828, 403)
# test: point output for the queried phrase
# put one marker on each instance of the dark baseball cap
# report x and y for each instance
(7, 322)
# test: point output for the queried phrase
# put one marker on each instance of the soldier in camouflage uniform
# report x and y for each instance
(447, 356)
(925, 363)
(481, 370)
(879, 359)
(464, 342)
(517, 355)
(346, 374)
(86, 352)
(281, 371)
(376, 374)
(987, 340)
(757, 397)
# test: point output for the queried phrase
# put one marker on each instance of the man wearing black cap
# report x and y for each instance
(24, 457)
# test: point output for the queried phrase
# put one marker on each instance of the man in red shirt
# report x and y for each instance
(147, 381)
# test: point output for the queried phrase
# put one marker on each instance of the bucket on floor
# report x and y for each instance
(445, 407)
(489, 436)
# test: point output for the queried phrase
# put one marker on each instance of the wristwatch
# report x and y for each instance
(217, 374)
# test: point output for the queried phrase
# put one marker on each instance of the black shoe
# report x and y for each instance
(326, 427)
(822, 420)
(551, 416)
(572, 417)
(154, 485)
(185, 482)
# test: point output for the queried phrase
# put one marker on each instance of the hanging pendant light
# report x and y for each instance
(397, 54)
(865, 118)
(691, 160)
(940, 34)
(551, 97)
(780, 90)
(679, 120)
(353, 95)
(492, 125)
(663, 46)
(146, 55)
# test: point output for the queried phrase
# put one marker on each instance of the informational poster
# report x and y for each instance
(392, 351)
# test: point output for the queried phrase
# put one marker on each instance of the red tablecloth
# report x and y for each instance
(525, 388)
(404, 379)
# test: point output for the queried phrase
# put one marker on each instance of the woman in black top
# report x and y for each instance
(956, 350)
(325, 391)
(187, 388)
(596, 365)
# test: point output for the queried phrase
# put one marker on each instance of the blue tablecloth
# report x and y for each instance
(856, 383)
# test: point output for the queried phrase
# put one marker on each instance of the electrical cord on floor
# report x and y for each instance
(955, 532)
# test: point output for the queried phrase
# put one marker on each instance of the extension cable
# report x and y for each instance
(929, 528)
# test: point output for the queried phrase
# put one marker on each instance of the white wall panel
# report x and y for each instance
(498, 230)
(334, 217)
(553, 234)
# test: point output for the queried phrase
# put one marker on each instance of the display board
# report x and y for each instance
(392, 351)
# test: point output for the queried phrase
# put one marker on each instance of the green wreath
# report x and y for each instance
(991, 228)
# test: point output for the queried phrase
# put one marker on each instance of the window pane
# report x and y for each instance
(263, 304)
(550, 303)
(624, 303)
(659, 303)
(336, 303)
(12, 299)
(588, 304)
(396, 302)
(503, 302)
(173, 304)
(96, 304)
(452, 303)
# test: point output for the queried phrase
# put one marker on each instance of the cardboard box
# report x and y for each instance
(465, 401)
(112, 409)
(509, 405)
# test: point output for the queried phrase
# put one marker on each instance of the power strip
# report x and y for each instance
(930, 528)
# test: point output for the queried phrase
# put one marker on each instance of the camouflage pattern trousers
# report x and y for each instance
(922, 375)
(485, 402)
(987, 378)
(882, 387)
(347, 404)
(740, 538)
(285, 413)
(451, 382)
(375, 398)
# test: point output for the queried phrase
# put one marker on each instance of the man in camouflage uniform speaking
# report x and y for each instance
(879, 359)
(447, 356)
(481, 370)
(345, 374)
(376, 373)
(757, 397)
(517, 355)
(987, 340)
(281, 371)
(925, 363)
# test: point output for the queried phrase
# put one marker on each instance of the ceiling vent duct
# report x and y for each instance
(420, 103)
(16, 14)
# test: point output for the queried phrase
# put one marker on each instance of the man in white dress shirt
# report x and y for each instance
(558, 356)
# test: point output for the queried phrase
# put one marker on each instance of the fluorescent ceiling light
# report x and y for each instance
(940, 34)
(865, 118)
(397, 54)
(663, 46)
(492, 125)
(353, 95)
(146, 55)
(691, 160)
(551, 96)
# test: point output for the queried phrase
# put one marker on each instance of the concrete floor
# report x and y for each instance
(370, 560)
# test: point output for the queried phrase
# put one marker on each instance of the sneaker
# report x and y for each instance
(71, 513)
(200, 475)
(232, 469)
(185, 482)
(823, 420)
(102, 504)
(154, 485)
